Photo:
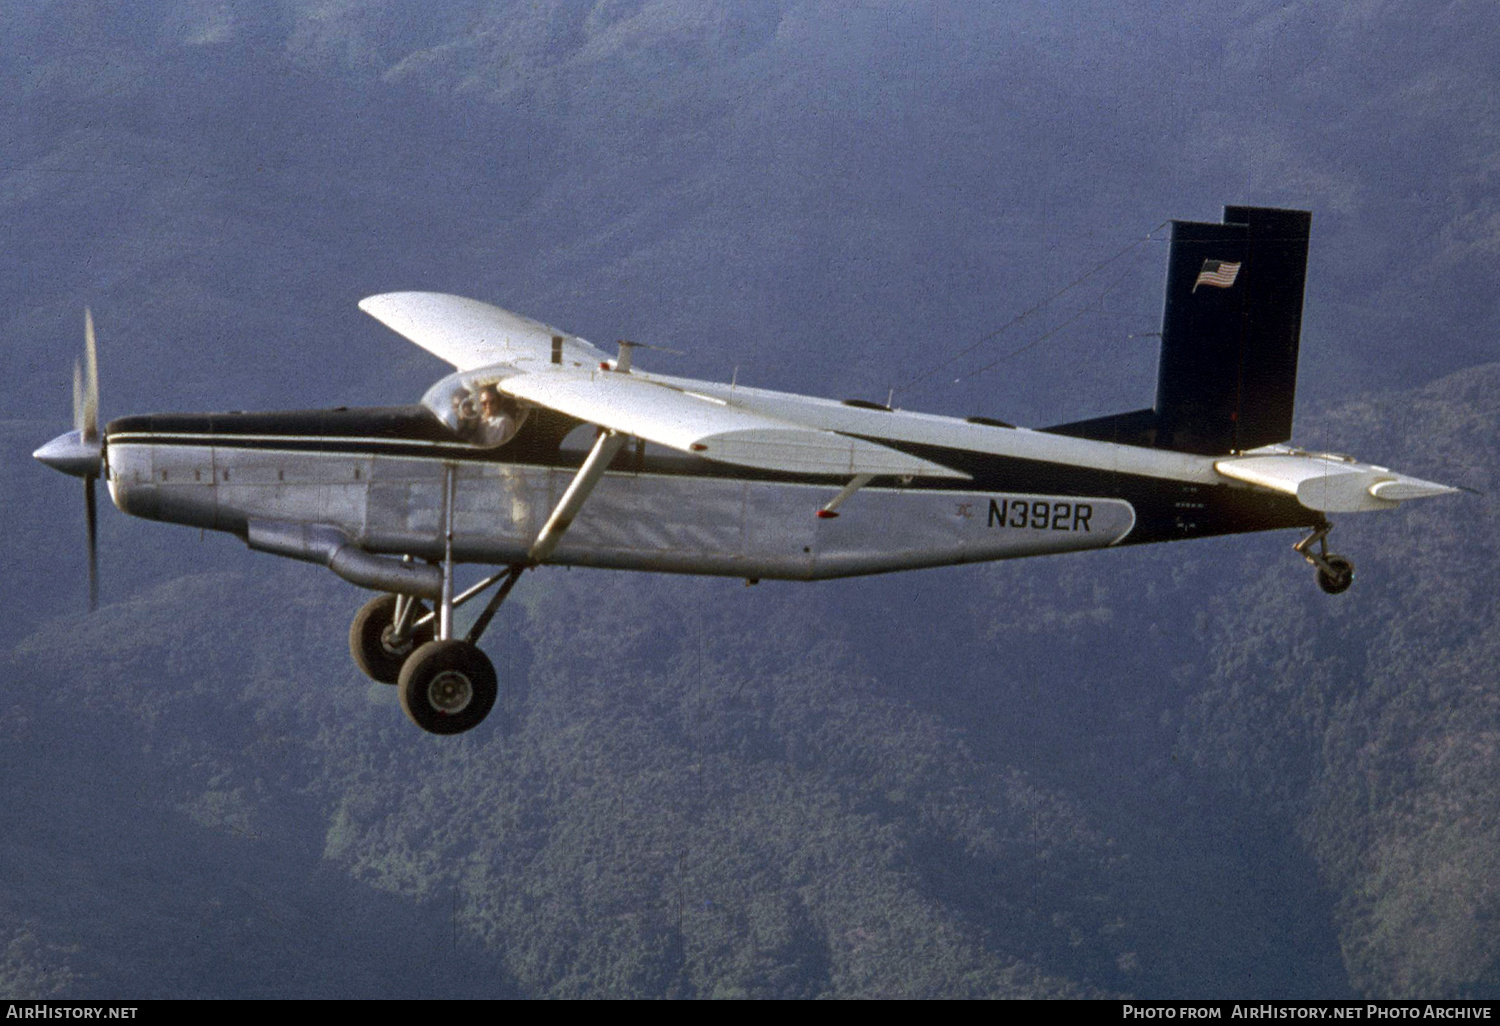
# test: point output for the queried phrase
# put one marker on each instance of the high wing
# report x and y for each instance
(470, 334)
(710, 427)
(489, 345)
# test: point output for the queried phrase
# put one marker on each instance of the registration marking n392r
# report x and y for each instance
(1040, 514)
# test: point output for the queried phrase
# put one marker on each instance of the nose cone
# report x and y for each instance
(72, 454)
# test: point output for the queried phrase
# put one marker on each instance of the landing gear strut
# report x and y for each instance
(1335, 573)
(448, 685)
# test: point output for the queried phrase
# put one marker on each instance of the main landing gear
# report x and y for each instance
(1335, 573)
(447, 685)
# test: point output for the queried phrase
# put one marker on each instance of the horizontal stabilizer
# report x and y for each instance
(1330, 484)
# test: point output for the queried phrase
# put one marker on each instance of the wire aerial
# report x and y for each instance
(911, 384)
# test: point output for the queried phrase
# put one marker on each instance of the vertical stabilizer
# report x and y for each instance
(1227, 380)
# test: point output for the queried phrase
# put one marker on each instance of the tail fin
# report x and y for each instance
(1227, 378)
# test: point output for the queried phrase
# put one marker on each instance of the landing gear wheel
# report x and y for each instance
(371, 644)
(448, 687)
(1335, 575)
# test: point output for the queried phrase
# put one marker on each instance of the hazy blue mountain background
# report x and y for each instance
(1170, 771)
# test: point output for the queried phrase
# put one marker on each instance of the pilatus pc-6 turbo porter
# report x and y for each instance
(698, 477)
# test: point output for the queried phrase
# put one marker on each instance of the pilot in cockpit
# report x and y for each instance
(497, 419)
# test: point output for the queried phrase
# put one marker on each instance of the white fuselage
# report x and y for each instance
(676, 522)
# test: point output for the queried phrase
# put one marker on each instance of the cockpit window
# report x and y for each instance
(488, 418)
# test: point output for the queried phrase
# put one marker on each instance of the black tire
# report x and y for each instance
(1336, 579)
(448, 687)
(370, 640)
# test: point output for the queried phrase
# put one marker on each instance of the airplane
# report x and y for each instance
(541, 449)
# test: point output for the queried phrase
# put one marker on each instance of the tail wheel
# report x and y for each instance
(1335, 575)
(372, 642)
(448, 687)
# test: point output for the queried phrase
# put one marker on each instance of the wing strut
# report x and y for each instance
(830, 511)
(578, 491)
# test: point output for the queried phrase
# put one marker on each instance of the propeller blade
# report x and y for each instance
(86, 423)
(78, 397)
(90, 398)
(91, 515)
(80, 452)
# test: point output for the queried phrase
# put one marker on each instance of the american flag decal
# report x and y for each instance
(1218, 273)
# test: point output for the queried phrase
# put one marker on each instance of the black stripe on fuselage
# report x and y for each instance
(1166, 509)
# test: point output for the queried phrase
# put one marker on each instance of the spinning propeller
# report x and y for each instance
(80, 452)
